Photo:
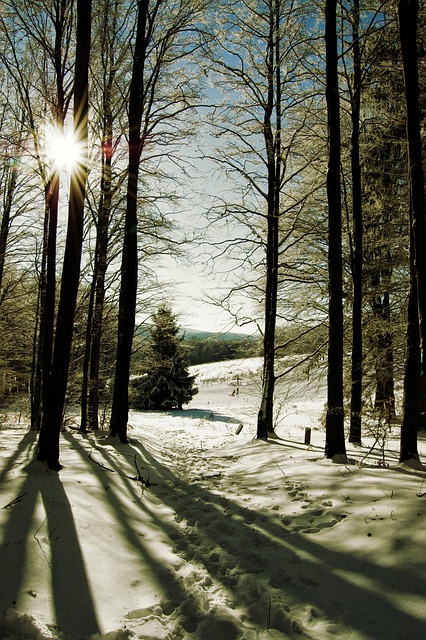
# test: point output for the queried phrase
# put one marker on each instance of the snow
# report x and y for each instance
(192, 531)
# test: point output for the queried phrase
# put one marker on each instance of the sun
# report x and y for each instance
(63, 150)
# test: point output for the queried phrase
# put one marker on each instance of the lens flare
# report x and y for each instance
(63, 150)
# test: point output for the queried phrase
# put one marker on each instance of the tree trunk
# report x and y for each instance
(47, 295)
(357, 261)
(384, 402)
(104, 216)
(412, 376)
(129, 265)
(335, 438)
(5, 221)
(48, 445)
(48, 309)
(408, 12)
(97, 321)
(265, 418)
(86, 359)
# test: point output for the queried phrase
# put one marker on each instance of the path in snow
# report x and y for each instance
(248, 575)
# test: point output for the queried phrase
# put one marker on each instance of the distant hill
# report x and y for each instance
(196, 334)
(206, 346)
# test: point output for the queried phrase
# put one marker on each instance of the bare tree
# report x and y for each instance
(129, 268)
(44, 32)
(274, 153)
(335, 436)
(261, 68)
(166, 34)
(112, 46)
(385, 220)
(48, 444)
(408, 11)
(357, 238)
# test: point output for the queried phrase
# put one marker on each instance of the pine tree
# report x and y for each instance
(168, 385)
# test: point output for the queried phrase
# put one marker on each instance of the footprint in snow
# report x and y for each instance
(311, 521)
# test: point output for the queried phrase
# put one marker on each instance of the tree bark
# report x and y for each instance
(101, 254)
(357, 261)
(99, 292)
(47, 295)
(48, 445)
(265, 418)
(10, 187)
(412, 374)
(408, 14)
(47, 292)
(48, 308)
(86, 359)
(384, 401)
(335, 438)
(129, 265)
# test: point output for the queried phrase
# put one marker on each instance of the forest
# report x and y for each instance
(279, 143)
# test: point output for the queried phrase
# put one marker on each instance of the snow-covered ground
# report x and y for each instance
(193, 531)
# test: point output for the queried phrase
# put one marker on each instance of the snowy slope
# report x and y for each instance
(192, 531)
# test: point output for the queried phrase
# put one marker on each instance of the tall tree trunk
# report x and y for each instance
(357, 261)
(47, 295)
(52, 201)
(104, 215)
(335, 437)
(48, 311)
(129, 264)
(100, 274)
(265, 418)
(35, 380)
(408, 14)
(48, 445)
(10, 186)
(384, 401)
(90, 387)
(86, 359)
(412, 375)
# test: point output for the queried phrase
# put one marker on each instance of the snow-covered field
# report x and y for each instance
(193, 531)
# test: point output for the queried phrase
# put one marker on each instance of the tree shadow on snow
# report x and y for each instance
(171, 586)
(194, 413)
(58, 547)
(25, 449)
(236, 546)
(216, 536)
(203, 414)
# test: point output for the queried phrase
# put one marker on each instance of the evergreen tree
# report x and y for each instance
(168, 385)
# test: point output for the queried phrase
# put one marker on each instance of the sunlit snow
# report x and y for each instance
(192, 531)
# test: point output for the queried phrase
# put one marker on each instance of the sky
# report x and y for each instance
(188, 291)
(197, 279)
